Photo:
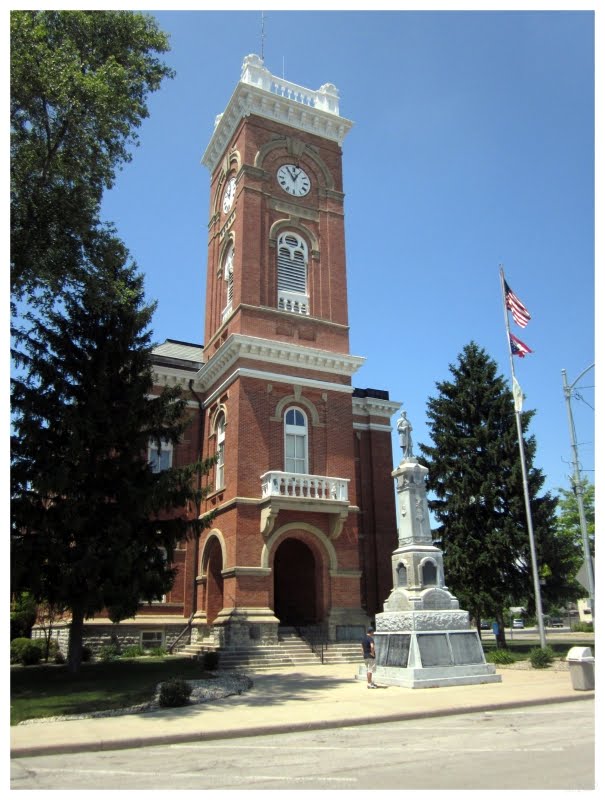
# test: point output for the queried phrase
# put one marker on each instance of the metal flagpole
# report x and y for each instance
(530, 528)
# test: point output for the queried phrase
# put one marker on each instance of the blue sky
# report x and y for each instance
(473, 146)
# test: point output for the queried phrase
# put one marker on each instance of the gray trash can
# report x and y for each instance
(581, 667)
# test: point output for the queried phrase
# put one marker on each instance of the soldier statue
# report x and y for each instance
(404, 428)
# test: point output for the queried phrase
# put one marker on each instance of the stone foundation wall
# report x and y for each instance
(98, 636)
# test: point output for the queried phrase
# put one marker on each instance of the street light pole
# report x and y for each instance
(578, 488)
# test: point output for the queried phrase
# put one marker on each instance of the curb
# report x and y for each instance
(290, 727)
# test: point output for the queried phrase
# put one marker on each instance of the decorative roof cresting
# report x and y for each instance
(259, 92)
(255, 73)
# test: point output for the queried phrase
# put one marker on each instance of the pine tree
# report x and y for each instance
(476, 483)
(92, 526)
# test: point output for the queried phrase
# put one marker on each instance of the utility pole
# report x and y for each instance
(578, 488)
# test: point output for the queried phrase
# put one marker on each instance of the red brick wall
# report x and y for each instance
(260, 203)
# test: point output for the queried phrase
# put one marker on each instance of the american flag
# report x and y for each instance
(517, 347)
(519, 312)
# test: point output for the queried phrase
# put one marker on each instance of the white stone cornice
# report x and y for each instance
(261, 93)
(375, 407)
(269, 351)
(172, 376)
(369, 426)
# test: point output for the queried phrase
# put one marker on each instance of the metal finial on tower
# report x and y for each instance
(262, 36)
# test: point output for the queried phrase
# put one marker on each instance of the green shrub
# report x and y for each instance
(541, 657)
(109, 652)
(17, 646)
(53, 648)
(500, 657)
(133, 651)
(174, 693)
(583, 627)
(157, 651)
(25, 651)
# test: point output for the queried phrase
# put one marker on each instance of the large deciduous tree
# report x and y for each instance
(79, 84)
(568, 516)
(92, 525)
(476, 493)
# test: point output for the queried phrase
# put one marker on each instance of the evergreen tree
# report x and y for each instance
(476, 483)
(92, 525)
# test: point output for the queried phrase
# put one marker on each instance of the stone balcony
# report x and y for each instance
(304, 493)
(293, 301)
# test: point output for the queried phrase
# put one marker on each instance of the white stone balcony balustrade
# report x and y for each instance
(293, 484)
(304, 493)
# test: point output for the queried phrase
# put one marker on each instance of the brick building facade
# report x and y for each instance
(305, 510)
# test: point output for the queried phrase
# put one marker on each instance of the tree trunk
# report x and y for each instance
(501, 636)
(76, 630)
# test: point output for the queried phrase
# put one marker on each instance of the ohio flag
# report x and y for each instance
(517, 347)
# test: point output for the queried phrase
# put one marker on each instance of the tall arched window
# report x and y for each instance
(228, 278)
(292, 260)
(296, 441)
(219, 481)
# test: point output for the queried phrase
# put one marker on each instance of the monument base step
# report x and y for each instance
(433, 677)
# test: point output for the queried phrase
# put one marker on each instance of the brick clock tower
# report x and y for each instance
(305, 519)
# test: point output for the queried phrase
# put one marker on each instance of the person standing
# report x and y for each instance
(369, 656)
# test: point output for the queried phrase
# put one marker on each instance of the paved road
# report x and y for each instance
(542, 747)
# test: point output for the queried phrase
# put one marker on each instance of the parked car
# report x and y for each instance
(485, 626)
(518, 623)
(556, 622)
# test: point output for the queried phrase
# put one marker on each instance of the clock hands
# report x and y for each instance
(293, 179)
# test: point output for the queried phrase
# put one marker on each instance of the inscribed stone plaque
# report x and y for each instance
(392, 650)
(434, 650)
(466, 648)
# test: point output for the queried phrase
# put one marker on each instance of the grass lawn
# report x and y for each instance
(48, 690)
(520, 650)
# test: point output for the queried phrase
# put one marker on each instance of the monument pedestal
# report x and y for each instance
(423, 649)
(423, 638)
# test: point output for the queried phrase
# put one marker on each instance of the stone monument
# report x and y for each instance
(423, 638)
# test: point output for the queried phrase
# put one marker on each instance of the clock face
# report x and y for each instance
(293, 180)
(229, 195)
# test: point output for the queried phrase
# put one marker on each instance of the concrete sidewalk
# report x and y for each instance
(323, 696)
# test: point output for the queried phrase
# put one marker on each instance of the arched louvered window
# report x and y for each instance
(296, 441)
(228, 278)
(292, 261)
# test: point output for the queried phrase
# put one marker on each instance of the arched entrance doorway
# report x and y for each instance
(214, 579)
(295, 584)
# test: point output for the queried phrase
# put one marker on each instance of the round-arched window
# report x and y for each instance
(296, 441)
